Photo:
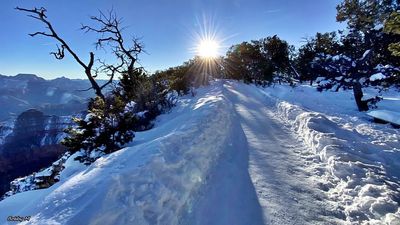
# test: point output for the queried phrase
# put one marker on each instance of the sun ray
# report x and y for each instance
(206, 38)
(208, 47)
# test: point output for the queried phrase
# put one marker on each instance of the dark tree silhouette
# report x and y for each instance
(40, 14)
(110, 32)
(110, 35)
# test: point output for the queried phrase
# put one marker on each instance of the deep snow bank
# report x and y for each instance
(358, 163)
(152, 182)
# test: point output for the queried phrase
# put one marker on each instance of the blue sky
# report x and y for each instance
(167, 28)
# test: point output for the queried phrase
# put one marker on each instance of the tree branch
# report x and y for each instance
(40, 14)
(111, 35)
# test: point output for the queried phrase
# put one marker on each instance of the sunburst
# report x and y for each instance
(208, 48)
(208, 45)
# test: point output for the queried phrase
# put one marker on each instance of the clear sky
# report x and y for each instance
(167, 28)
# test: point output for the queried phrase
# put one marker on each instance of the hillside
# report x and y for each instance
(236, 154)
(60, 96)
(33, 115)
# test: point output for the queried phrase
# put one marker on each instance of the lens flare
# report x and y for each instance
(208, 48)
(207, 41)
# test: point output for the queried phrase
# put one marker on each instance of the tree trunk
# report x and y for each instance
(358, 94)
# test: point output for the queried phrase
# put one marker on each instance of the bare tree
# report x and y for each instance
(110, 35)
(110, 32)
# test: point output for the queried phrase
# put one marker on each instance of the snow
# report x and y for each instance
(44, 173)
(324, 82)
(50, 91)
(141, 114)
(378, 26)
(366, 53)
(6, 128)
(52, 124)
(377, 76)
(336, 57)
(89, 116)
(341, 57)
(154, 181)
(130, 107)
(339, 78)
(237, 154)
(319, 79)
(284, 188)
(172, 97)
(386, 115)
(36, 180)
(25, 202)
(356, 162)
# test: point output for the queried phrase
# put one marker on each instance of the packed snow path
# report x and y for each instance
(283, 186)
(263, 179)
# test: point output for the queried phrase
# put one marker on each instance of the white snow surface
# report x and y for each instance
(377, 76)
(236, 154)
(386, 115)
(356, 162)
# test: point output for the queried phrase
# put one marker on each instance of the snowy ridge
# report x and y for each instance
(358, 174)
(152, 182)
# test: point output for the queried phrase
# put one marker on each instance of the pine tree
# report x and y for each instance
(364, 15)
(322, 45)
(107, 127)
(392, 26)
(246, 62)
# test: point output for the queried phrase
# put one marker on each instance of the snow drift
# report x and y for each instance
(358, 170)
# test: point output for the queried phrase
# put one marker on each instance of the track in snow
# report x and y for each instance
(278, 172)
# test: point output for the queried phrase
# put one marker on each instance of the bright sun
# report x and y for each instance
(208, 48)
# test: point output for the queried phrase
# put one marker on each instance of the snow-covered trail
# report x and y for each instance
(234, 154)
(278, 172)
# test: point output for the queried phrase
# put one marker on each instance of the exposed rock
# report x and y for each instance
(32, 145)
(43, 179)
(5, 130)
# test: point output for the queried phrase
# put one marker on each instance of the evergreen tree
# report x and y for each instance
(276, 51)
(246, 62)
(365, 15)
(175, 79)
(106, 128)
(323, 44)
(365, 20)
(392, 26)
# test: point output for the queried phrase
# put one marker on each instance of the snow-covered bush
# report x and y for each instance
(111, 122)
(107, 127)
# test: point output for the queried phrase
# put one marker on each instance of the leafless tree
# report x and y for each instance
(110, 34)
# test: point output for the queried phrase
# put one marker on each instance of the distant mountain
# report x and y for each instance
(61, 96)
